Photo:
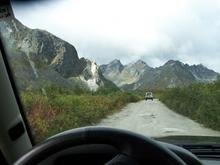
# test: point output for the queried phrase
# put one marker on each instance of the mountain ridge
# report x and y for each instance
(38, 57)
(171, 74)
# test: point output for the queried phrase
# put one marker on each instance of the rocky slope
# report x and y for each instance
(38, 58)
(123, 75)
(139, 75)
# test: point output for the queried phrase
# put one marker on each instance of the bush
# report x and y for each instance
(63, 109)
(200, 102)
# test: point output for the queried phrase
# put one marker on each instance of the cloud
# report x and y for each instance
(154, 31)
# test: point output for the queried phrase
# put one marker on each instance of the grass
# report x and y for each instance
(63, 109)
(200, 102)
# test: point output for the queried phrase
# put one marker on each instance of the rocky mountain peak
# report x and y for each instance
(136, 64)
(115, 61)
(116, 64)
(202, 73)
(173, 62)
(140, 62)
(138, 75)
(42, 58)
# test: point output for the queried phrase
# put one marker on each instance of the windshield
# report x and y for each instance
(80, 63)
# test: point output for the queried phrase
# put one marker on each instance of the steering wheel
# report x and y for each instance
(133, 148)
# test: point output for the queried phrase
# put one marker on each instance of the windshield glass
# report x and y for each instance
(151, 67)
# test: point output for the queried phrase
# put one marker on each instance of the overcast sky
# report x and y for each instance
(152, 30)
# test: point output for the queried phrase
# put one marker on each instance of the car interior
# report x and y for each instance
(84, 145)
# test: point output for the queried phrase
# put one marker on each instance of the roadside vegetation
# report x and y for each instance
(61, 109)
(200, 102)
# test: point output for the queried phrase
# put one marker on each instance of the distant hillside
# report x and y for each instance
(37, 58)
(138, 75)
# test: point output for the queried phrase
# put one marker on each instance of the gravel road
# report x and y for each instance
(153, 118)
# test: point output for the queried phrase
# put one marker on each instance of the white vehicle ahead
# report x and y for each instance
(149, 95)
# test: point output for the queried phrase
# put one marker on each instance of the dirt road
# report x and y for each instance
(153, 118)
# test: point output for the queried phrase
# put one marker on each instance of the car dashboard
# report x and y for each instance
(99, 154)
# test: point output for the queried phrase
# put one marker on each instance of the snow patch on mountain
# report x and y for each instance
(91, 76)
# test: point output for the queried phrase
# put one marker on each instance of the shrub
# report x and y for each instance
(63, 109)
(200, 102)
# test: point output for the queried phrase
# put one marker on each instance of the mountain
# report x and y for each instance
(38, 58)
(123, 75)
(202, 73)
(112, 70)
(139, 75)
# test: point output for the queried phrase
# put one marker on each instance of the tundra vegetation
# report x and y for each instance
(62, 109)
(199, 101)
